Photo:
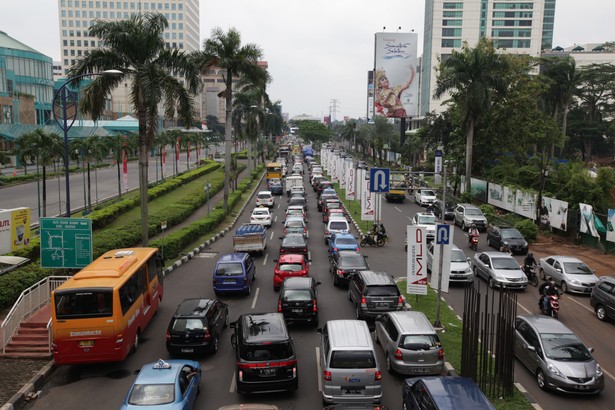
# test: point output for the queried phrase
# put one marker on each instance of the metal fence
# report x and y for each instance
(488, 338)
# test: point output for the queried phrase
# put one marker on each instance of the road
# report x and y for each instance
(104, 386)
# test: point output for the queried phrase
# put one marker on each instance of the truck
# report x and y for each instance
(250, 238)
(397, 188)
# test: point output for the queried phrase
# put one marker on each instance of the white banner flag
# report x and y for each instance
(417, 260)
(350, 181)
(343, 174)
(367, 203)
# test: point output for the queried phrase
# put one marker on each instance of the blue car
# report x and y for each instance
(234, 272)
(342, 242)
(165, 384)
(276, 188)
(444, 393)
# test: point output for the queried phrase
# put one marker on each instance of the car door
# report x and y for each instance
(484, 267)
(189, 386)
(547, 267)
(458, 215)
(355, 287)
(521, 342)
(333, 260)
(557, 271)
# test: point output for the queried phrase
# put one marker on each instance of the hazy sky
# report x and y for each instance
(319, 51)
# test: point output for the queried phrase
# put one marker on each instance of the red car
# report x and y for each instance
(289, 265)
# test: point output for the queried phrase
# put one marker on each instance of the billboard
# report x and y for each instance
(396, 88)
(14, 229)
(417, 260)
(370, 94)
(587, 220)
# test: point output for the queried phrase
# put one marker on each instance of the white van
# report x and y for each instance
(350, 370)
(293, 181)
(336, 224)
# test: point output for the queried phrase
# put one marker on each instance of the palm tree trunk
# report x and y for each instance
(227, 140)
(89, 207)
(143, 189)
(44, 191)
(469, 143)
(250, 155)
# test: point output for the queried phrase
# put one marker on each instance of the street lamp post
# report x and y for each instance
(61, 98)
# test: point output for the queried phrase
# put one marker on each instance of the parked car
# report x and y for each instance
(570, 273)
(298, 300)
(295, 224)
(461, 271)
(289, 265)
(424, 196)
(409, 342)
(343, 263)
(373, 293)
(294, 243)
(443, 393)
(196, 326)
(449, 210)
(467, 214)
(511, 238)
(343, 242)
(361, 165)
(165, 384)
(261, 215)
(499, 270)
(427, 221)
(234, 272)
(603, 298)
(556, 356)
(264, 198)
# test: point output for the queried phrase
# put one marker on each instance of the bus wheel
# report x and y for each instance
(135, 345)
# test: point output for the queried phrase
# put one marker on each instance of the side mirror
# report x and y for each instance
(469, 259)
(319, 330)
(531, 348)
(318, 283)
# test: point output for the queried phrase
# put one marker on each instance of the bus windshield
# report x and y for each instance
(83, 303)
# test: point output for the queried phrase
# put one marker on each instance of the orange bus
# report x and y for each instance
(98, 315)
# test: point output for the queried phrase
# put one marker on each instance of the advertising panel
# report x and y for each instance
(350, 181)
(496, 195)
(14, 229)
(367, 202)
(587, 220)
(610, 222)
(417, 261)
(395, 75)
(554, 213)
(525, 204)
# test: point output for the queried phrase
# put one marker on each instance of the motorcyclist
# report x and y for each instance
(529, 262)
(547, 289)
(472, 232)
(429, 209)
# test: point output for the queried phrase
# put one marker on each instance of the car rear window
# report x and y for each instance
(264, 196)
(296, 295)
(339, 226)
(291, 267)
(345, 241)
(273, 351)
(419, 342)
(187, 324)
(352, 359)
(152, 394)
(352, 262)
(294, 224)
(387, 290)
(229, 269)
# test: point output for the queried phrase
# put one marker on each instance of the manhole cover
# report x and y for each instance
(206, 255)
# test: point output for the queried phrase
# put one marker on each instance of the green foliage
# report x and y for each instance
(14, 282)
(314, 131)
(488, 210)
(528, 229)
(467, 197)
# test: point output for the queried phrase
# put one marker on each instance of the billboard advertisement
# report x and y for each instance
(417, 260)
(14, 229)
(587, 220)
(370, 94)
(367, 202)
(396, 87)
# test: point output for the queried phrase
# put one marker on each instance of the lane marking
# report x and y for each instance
(255, 297)
(265, 260)
(399, 210)
(232, 388)
(309, 257)
(408, 217)
(271, 237)
(278, 206)
(318, 369)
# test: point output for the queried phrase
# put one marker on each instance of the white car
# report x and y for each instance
(461, 271)
(261, 215)
(264, 198)
(427, 221)
(424, 196)
(297, 189)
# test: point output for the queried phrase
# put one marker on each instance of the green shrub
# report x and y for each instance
(466, 197)
(528, 229)
(488, 210)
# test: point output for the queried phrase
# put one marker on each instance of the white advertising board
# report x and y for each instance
(417, 261)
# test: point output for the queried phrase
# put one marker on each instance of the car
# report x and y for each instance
(265, 354)
(261, 215)
(502, 238)
(296, 211)
(556, 356)
(443, 393)
(196, 326)
(569, 273)
(332, 213)
(449, 210)
(331, 203)
(298, 300)
(9, 263)
(499, 269)
(460, 270)
(290, 265)
(336, 224)
(234, 272)
(424, 196)
(264, 198)
(328, 194)
(324, 185)
(295, 224)
(603, 298)
(165, 384)
(294, 243)
(272, 181)
(343, 263)
(373, 293)
(297, 189)
(427, 221)
(316, 180)
(466, 215)
(276, 188)
(361, 165)
(298, 201)
(343, 242)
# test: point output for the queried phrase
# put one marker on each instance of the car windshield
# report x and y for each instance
(511, 234)
(577, 268)
(152, 394)
(290, 267)
(387, 290)
(427, 220)
(419, 342)
(338, 226)
(564, 347)
(505, 263)
(352, 262)
(293, 240)
(264, 196)
(473, 211)
(457, 255)
(333, 205)
(273, 351)
(428, 193)
(345, 241)
(349, 359)
(229, 269)
(296, 295)
(294, 224)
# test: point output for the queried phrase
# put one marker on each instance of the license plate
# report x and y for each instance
(296, 310)
(187, 350)
(86, 343)
(353, 391)
(268, 372)
(582, 387)
(420, 371)
(229, 281)
(382, 304)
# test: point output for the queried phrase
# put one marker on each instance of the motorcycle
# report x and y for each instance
(552, 306)
(530, 272)
(474, 243)
(376, 237)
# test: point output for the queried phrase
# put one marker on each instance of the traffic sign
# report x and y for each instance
(379, 179)
(438, 160)
(443, 234)
(66, 242)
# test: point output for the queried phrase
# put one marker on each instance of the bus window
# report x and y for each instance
(84, 304)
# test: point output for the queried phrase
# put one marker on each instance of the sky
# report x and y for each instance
(318, 51)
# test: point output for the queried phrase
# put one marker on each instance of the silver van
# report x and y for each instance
(410, 344)
(350, 371)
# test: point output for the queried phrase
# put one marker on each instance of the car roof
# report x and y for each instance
(296, 207)
(298, 282)
(496, 254)
(376, 277)
(349, 252)
(295, 218)
(232, 257)
(264, 192)
(450, 392)
(563, 258)
(343, 236)
(152, 374)
(294, 235)
(261, 208)
(271, 327)
(193, 307)
(289, 258)
(348, 333)
(546, 324)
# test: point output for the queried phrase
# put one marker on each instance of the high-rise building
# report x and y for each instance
(518, 27)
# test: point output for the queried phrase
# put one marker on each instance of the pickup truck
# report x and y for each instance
(250, 238)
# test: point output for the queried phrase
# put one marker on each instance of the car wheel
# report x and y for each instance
(541, 380)
(475, 269)
(488, 242)
(336, 281)
(601, 312)
(225, 325)
(376, 338)
(214, 345)
(135, 345)
(463, 225)
(349, 295)
(389, 366)
(541, 272)
(358, 313)
(249, 289)
(564, 286)
(276, 288)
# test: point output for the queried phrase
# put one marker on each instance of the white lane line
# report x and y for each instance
(318, 369)
(399, 210)
(408, 217)
(580, 304)
(275, 219)
(271, 237)
(265, 260)
(255, 297)
(232, 388)
(309, 257)
(278, 206)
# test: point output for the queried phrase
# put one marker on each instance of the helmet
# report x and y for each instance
(473, 225)
(530, 255)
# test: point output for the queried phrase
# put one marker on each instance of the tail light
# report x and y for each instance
(326, 375)
(441, 354)
(378, 375)
(363, 302)
(327, 232)
(279, 305)
(168, 336)
(357, 249)
(284, 231)
(304, 229)
(282, 250)
(119, 339)
(305, 250)
(314, 307)
(245, 280)
(400, 302)
(206, 335)
(398, 354)
(241, 375)
(340, 272)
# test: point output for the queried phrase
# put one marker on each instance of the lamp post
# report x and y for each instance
(65, 120)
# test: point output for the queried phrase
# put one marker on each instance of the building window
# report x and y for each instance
(456, 5)
(451, 32)
(452, 14)
(455, 23)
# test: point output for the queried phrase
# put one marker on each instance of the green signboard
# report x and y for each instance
(66, 242)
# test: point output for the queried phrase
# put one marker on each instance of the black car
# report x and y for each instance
(294, 243)
(298, 300)
(343, 263)
(373, 293)
(511, 238)
(449, 210)
(196, 326)
(324, 185)
(323, 198)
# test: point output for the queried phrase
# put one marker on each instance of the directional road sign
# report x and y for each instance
(66, 242)
(379, 179)
(442, 234)
(438, 160)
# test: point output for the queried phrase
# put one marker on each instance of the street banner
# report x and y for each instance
(367, 202)
(610, 223)
(554, 214)
(446, 263)
(343, 174)
(359, 177)
(350, 183)
(14, 229)
(417, 261)
(587, 220)
(334, 169)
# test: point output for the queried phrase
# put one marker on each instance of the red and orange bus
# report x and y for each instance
(98, 315)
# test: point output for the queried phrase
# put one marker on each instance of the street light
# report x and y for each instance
(61, 99)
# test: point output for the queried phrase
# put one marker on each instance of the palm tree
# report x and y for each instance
(224, 50)
(136, 47)
(95, 150)
(471, 76)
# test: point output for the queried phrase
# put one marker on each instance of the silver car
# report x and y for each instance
(570, 273)
(461, 271)
(559, 360)
(499, 269)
